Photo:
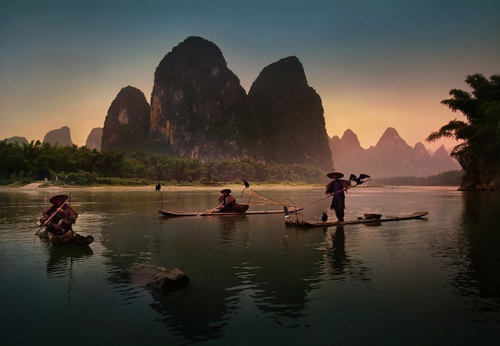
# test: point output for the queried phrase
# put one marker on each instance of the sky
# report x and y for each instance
(375, 63)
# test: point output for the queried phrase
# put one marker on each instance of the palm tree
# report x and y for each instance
(479, 153)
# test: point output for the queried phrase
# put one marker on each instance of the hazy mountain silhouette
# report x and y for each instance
(390, 157)
(94, 139)
(60, 137)
(17, 140)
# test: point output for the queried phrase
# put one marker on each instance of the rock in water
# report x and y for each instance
(156, 278)
(60, 137)
(198, 107)
(126, 127)
(290, 115)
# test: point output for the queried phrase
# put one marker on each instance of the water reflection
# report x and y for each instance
(61, 258)
(252, 276)
(339, 264)
(60, 264)
(238, 267)
(231, 224)
(336, 244)
(479, 244)
(196, 313)
(471, 247)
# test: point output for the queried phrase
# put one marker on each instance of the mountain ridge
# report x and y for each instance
(390, 157)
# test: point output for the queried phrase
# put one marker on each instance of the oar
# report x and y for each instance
(50, 218)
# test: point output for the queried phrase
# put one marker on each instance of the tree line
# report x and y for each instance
(450, 178)
(479, 135)
(82, 166)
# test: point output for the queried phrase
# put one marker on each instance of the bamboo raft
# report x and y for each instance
(74, 239)
(360, 220)
(233, 213)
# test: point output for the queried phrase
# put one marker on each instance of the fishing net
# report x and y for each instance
(257, 198)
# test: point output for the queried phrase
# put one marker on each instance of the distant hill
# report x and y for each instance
(17, 139)
(390, 157)
(60, 137)
(94, 139)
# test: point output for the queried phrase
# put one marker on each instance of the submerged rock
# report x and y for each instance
(156, 278)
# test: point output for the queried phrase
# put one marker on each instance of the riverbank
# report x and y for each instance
(42, 186)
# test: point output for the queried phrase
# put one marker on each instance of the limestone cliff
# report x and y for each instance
(198, 107)
(200, 110)
(290, 116)
(126, 128)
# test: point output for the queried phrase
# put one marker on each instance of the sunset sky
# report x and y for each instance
(375, 63)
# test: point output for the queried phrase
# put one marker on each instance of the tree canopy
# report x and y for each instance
(479, 150)
(82, 166)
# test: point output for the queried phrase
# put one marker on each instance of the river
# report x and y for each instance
(255, 281)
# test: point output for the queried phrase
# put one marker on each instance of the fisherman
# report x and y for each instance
(336, 189)
(227, 202)
(64, 216)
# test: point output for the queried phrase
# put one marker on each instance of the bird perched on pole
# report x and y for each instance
(285, 210)
(359, 180)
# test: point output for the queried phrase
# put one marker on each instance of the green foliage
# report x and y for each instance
(82, 166)
(81, 178)
(479, 152)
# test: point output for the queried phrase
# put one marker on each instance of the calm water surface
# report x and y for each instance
(253, 280)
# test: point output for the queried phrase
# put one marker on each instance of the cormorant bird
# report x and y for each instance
(324, 217)
(246, 183)
(359, 180)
